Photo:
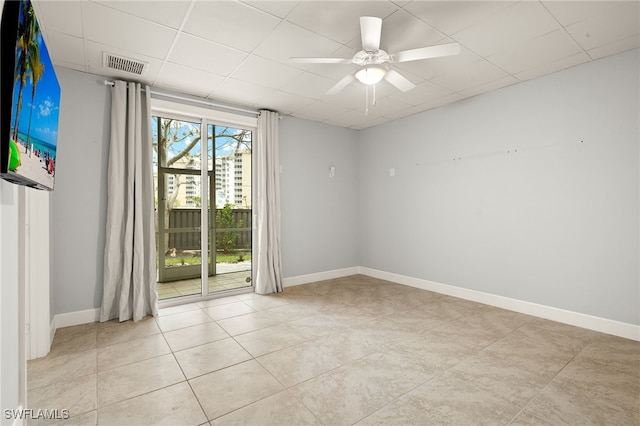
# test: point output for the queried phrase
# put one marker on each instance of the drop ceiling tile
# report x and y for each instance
(205, 55)
(490, 86)
(454, 97)
(618, 22)
(129, 32)
(352, 118)
(265, 72)
(319, 111)
(64, 16)
(403, 31)
(389, 105)
(424, 92)
(451, 17)
(352, 96)
(478, 73)
(540, 70)
(94, 60)
(570, 12)
(230, 23)
(629, 43)
(289, 40)
(188, 80)
(165, 12)
(309, 85)
(277, 8)
(285, 103)
(242, 92)
(67, 50)
(338, 20)
(522, 22)
(536, 53)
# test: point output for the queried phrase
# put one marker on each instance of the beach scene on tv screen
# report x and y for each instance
(36, 105)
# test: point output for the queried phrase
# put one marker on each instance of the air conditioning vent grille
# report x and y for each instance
(121, 63)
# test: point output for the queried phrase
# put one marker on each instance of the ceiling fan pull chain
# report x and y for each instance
(374, 95)
(366, 100)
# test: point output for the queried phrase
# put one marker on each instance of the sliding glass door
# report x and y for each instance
(203, 206)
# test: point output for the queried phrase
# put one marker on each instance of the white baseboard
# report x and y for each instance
(74, 318)
(603, 325)
(320, 276)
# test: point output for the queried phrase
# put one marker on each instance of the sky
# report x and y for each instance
(45, 105)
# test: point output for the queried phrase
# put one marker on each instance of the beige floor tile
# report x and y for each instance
(210, 357)
(279, 409)
(49, 370)
(347, 346)
(561, 403)
(87, 419)
(535, 350)
(602, 381)
(224, 391)
(397, 413)
(228, 310)
(298, 363)
(182, 320)
(124, 353)
(74, 339)
(177, 309)
(131, 380)
(269, 339)
(344, 395)
(263, 302)
(217, 302)
(116, 332)
(433, 359)
(173, 405)
(194, 336)
(245, 323)
(76, 396)
(512, 384)
(449, 399)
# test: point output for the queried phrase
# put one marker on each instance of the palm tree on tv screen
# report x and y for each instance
(27, 56)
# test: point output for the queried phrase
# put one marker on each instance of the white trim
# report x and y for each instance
(52, 330)
(590, 322)
(75, 318)
(320, 276)
(603, 325)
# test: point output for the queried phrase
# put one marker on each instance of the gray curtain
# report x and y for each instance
(269, 270)
(130, 248)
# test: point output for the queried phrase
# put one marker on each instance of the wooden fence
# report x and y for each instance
(187, 223)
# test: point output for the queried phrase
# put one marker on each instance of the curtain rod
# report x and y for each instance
(184, 98)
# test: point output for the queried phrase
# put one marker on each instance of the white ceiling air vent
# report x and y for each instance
(120, 63)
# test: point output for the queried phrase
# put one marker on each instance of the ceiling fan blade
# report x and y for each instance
(399, 81)
(341, 84)
(370, 29)
(427, 52)
(320, 60)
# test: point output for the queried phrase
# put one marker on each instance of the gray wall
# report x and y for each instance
(78, 202)
(555, 223)
(319, 218)
(319, 213)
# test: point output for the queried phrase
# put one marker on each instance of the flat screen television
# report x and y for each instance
(29, 100)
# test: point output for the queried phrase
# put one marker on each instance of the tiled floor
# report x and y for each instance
(223, 281)
(354, 350)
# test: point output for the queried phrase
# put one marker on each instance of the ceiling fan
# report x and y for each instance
(375, 63)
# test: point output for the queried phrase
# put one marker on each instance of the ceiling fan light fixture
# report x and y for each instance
(370, 75)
